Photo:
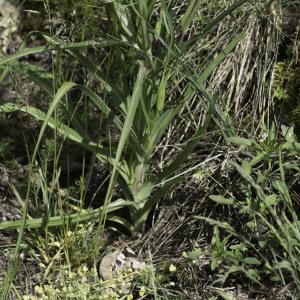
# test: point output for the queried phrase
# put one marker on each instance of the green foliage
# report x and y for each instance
(264, 244)
(137, 90)
(286, 89)
(121, 76)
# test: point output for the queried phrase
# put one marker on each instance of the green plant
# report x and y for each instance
(142, 106)
(264, 243)
(137, 102)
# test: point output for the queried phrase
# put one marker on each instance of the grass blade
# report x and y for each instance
(133, 104)
(15, 259)
(190, 14)
(39, 223)
(221, 56)
(211, 25)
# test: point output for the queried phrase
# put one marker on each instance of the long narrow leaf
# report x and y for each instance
(28, 51)
(190, 14)
(221, 56)
(61, 220)
(133, 104)
(169, 26)
(211, 25)
(65, 131)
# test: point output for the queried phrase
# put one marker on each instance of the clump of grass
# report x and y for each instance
(143, 98)
(144, 79)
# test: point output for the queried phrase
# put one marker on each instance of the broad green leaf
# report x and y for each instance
(291, 166)
(239, 141)
(23, 53)
(275, 278)
(244, 172)
(251, 261)
(247, 167)
(225, 295)
(125, 223)
(261, 178)
(288, 133)
(161, 94)
(214, 263)
(241, 247)
(287, 146)
(142, 195)
(257, 159)
(280, 186)
(285, 264)
(221, 200)
(124, 19)
(195, 253)
(272, 200)
(220, 224)
(253, 274)
(297, 146)
(190, 14)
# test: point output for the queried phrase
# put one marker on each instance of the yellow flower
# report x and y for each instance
(85, 269)
(172, 268)
(71, 275)
(130, 297)
(39, 289)
(142, 291)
